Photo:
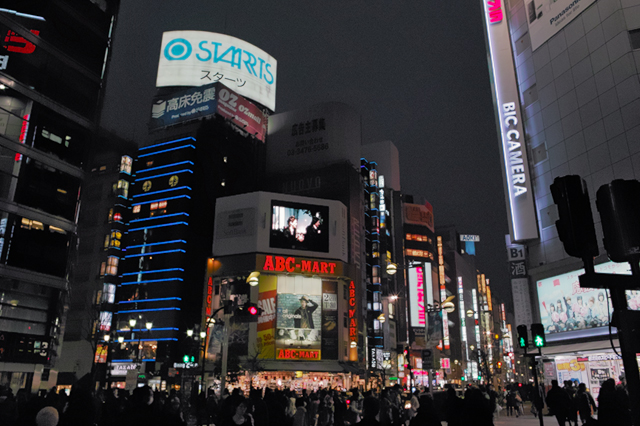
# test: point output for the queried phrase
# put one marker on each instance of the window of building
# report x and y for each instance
(107, 239)
(125, 164)
(112, 265)
(158, 208)
(110, 216)
(373, 177)
(108, 293)
(103, 268)
(392, 310)
(115, 238)
(105, 321)
(377, 327)
(372, 201)
(121, 188)
(136, 209)
(377, 305)
(634, 36)
(31, 224)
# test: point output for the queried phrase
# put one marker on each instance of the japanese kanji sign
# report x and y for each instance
(196, 58)
(203, 101)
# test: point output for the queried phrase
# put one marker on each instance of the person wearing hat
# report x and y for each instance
(304, 314)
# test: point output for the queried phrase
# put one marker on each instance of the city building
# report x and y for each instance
(567, 101)
(52, 62)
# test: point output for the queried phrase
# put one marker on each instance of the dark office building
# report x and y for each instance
(52, 60)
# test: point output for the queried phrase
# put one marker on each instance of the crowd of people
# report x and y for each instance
(391, 406)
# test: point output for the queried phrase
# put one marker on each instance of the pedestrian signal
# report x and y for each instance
(537, 332)
(523, 336)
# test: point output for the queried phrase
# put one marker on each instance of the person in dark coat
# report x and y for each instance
(427, 414)
(613, 405)
(559, 402)
(370, 409)
(585, 403)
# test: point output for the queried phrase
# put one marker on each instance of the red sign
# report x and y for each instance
(209, 297)
(243, 113)
(18, 44)
(298, 354)
(495, 10)
(353, 321)
(301, 266)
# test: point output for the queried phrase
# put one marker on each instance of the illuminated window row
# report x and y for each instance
(419, 253)
(419, 238)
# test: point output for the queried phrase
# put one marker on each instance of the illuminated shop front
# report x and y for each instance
(308, 329)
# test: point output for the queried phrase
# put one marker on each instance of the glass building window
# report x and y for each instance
(136, 209)
(105, 321)
(112, 265)
(121, 188)
(125, 164)
(108, 293)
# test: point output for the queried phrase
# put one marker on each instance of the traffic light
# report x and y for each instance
(619, 205)
(537, 334)
(185, 359)
(575, 223)
(249, 312)
(462, 378)
(523, 336)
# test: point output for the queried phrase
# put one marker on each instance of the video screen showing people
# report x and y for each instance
(299, 226)
(299, 321)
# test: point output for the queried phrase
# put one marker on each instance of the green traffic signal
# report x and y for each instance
(537, 331)
(185, 358)
(522, 342)
(479, 377)
(462, 378)
(539, 341)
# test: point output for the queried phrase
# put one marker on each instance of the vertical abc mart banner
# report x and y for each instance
(547, 17)
(196, 58)
(517, 179)
(565, 306)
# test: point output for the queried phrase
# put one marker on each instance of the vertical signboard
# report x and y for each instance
(353, 323)
(265, 337)
(520, 200)
(329, 320)
(417, 297)
(516, 255)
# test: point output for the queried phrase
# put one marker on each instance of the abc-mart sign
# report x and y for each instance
(196, 58)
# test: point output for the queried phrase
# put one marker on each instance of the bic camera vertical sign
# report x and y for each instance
(522, 217)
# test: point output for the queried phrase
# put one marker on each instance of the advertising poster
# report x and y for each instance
(298, 226)
(417, 297)
(417, 214)
(329, 319)
(299, 318)
(565, 306)
(598, 375)
(182, 106)
(547, 17)
(266, 322)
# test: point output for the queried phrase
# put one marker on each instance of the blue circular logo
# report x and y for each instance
(178, 49)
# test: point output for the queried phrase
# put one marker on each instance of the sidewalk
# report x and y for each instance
(526, 420)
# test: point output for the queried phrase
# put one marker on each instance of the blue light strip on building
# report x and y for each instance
(149, 300)
(150, 281)
(164, 167)
(159, 217)
(146, 310)
(152, 272)
(163, 191)
(166, 174)
(166, 150)
(124, 330)
(153, 253)
(157, 244)
(144, 360)
(159, 226)
(167, 143)
(162, 199)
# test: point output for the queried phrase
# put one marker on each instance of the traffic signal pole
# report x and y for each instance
(535, 381)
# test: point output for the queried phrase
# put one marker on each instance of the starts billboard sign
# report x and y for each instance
(196, 58)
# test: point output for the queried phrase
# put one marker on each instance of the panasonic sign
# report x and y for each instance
(520, 199)
(196, 58)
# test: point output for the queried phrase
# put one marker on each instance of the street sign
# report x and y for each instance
(427, 359)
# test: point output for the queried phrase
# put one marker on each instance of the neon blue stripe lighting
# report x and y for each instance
(178, 188)
(166, 174)
(124, 330)
(159, 217)
(159, 226)
(164, 167)
(123, 197)
(147, 310)
(149, 300)
(167, 143)
(155, 252)
(144, 360)
(162, 199)
(150, 281)
(166, 150)
(152, 272)
(157, 244)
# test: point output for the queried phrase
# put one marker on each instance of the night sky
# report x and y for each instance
(416, 71)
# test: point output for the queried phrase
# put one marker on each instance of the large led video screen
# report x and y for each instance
(565, 306)
(298, 226)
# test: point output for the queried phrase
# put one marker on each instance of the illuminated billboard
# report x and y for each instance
(258, 222)
(299, 226)
(196, 58)
(198, 102)
(417, 296)
(515, 165)
(547, 17)
(299, 318)
(418, 214)
(565, 306)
